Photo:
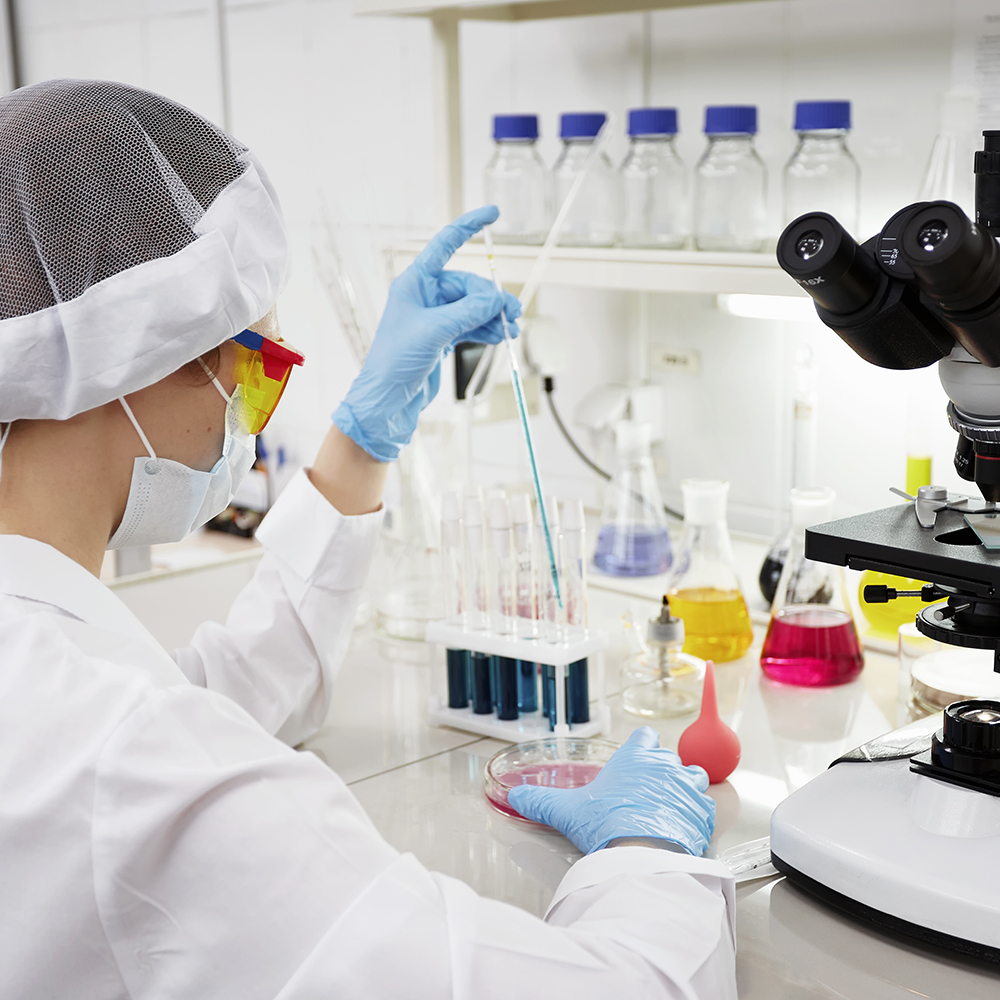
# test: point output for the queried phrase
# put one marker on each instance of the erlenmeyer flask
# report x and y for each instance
(811, 640)
(633, 540)
(658, 680)
(704, 590)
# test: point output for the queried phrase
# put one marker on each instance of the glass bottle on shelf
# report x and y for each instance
(704, 590)
(594, 218)
(730, 183)
(658, 679)
(633, 539)
(654, 182)
(811, 640)
(517, 181)
(822, 176)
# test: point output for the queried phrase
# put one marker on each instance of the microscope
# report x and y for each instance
(904, 832)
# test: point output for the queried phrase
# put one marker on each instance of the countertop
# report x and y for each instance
(423, 789)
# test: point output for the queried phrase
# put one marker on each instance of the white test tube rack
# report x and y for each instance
(579, 644)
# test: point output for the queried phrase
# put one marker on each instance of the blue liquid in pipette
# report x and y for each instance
(632, 551)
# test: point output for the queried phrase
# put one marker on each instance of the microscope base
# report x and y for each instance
(899, 850)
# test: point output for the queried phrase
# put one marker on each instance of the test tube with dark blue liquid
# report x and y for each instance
(574, 575)
(577, 693)
(507, 686)
(527, 687)
(482, 690)
(454, 597)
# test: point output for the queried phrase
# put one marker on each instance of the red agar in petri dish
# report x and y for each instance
(555, 763)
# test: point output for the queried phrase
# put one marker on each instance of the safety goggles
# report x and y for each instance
(262, 369)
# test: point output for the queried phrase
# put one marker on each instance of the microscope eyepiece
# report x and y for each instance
(933, 234)
(809, 244)
(822, 256)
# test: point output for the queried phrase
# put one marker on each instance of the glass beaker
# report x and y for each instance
(811, 640)
(704, 590)
(633, 539)
(658, 679)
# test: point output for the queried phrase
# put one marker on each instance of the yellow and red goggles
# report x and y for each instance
(262, 369)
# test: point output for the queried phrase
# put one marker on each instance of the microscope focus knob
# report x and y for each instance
(973, 727)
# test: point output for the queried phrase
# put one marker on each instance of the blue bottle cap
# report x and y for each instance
(652, 121)
(515, 126)
(731, 119)
(811, 115)
(581, 126)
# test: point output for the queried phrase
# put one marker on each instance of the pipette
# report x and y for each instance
(522, 412)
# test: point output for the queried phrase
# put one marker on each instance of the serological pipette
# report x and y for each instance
(522, 412)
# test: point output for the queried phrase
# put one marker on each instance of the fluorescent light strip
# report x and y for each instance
(791, 308)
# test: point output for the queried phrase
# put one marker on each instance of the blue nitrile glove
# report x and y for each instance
(643, 791)
(429, 310)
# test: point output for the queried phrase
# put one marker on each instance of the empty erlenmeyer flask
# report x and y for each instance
(811, 640)
(658, 680)
(704, 590)
(633, 540)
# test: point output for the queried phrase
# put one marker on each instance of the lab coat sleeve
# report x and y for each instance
(227, 865)
(287, 631)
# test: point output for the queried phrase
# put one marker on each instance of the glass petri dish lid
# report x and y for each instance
(557, 762)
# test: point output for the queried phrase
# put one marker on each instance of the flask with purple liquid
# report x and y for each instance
(633, 540)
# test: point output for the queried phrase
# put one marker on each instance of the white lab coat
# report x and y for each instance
(158, 842)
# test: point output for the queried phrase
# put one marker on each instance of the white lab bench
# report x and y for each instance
(423, 789)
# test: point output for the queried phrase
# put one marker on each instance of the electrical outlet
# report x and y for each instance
(677, 360)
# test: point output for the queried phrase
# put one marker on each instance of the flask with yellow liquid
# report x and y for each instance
(704, 590)
(884, 619)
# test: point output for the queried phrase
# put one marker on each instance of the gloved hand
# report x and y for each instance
(643, 791)
(429, 310)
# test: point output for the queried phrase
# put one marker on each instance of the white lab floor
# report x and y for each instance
(423, 789)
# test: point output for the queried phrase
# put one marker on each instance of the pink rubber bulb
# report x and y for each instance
(708, 741)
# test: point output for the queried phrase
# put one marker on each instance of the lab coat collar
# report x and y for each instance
(35, 570)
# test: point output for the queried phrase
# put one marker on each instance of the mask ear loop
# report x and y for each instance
(135, 424)
(218, 385)
(3, 440)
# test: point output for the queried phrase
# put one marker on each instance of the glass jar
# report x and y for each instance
(822, 175)
(654, 182)
(518, 182)
(730, 183)
(594, 219)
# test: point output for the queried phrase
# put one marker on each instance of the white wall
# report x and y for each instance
(338, 108)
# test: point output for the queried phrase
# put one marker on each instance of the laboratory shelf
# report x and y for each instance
(520, 10)
(622, 268)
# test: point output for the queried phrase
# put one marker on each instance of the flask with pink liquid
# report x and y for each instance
(811, 640)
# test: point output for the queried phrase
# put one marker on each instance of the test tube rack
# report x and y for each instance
(578, 644)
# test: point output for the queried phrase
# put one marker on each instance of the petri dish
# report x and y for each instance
(558, 762)
(938, 679)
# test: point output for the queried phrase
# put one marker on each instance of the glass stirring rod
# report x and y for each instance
(522, 412)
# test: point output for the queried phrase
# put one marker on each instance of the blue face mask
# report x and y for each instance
(168, 500)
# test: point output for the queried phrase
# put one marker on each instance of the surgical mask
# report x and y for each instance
(168, 500)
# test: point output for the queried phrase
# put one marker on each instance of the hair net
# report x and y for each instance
(134, 236)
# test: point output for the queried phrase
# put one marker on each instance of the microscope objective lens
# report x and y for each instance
(932, 234)
(809, 245)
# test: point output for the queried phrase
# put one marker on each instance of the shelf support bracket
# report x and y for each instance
(447, 117)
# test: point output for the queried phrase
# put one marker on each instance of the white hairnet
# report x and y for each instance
(134, 237)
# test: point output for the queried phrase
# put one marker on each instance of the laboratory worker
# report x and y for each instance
(159, 837)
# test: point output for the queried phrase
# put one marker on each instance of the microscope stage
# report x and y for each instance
(891, 541)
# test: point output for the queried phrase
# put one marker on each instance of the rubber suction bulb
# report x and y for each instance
(708, 741)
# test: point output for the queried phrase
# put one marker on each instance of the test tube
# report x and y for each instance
(505, 671)
(453, 567)
(526, 591)
(551, 616)
(477, 600)
(574, 588)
